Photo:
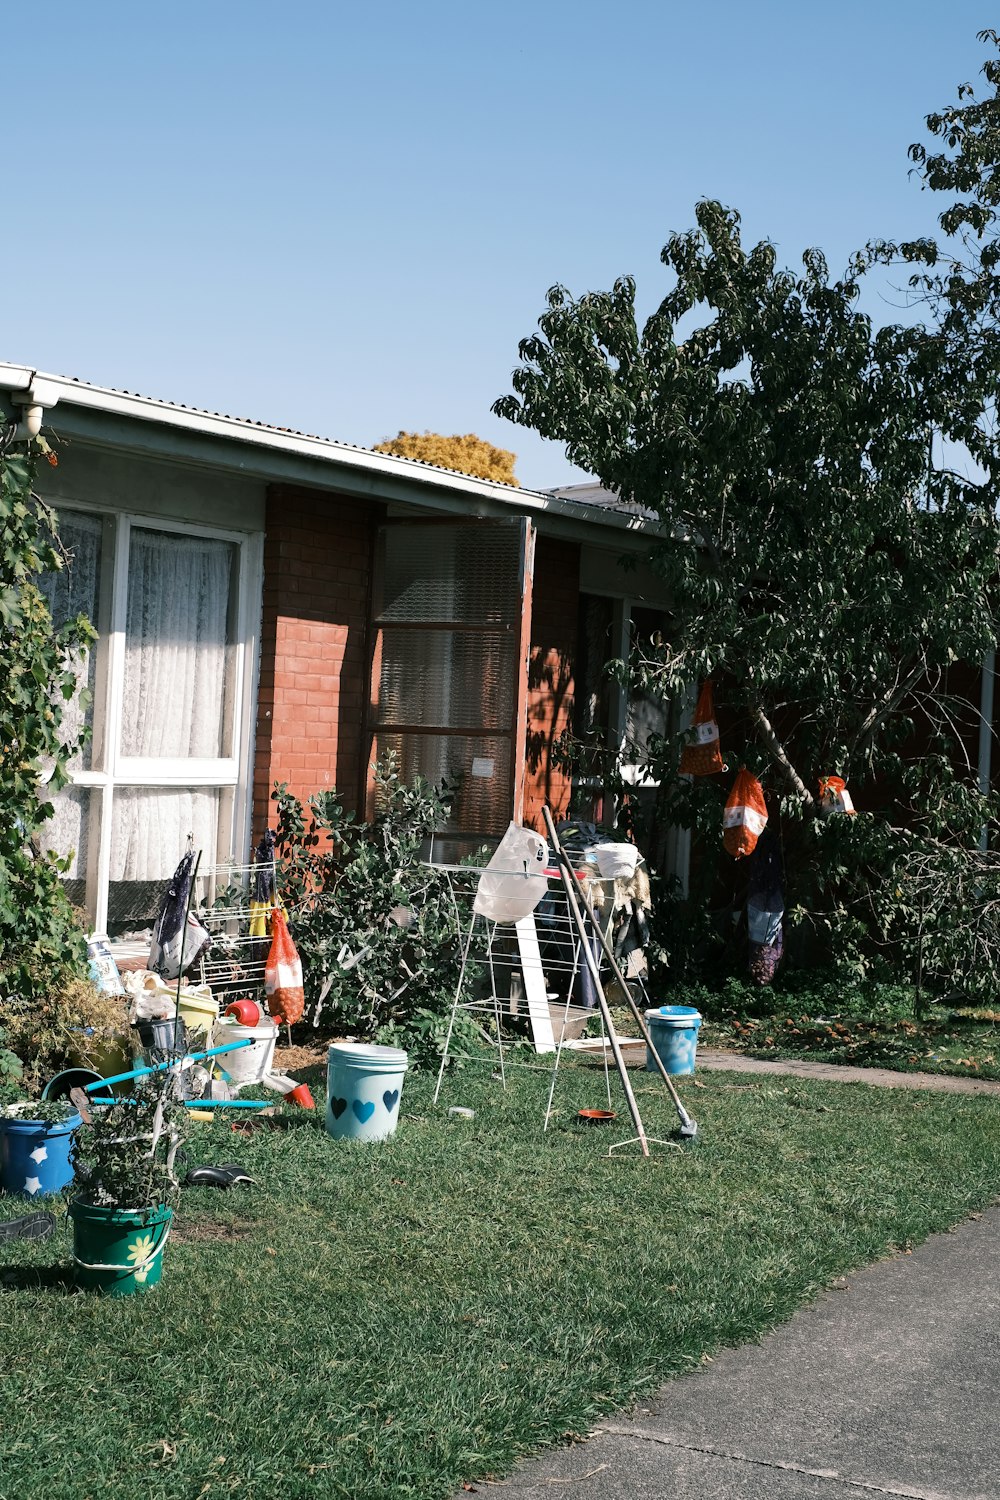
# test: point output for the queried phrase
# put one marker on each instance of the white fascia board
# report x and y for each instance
(15, 377)
(325, 450)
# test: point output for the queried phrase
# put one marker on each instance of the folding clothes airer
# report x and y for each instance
(575, 896)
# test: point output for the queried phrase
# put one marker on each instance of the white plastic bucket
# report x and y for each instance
(364, 1087)
(248, 1064)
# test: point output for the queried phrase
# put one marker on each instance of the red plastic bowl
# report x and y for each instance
(246, 1012)
(596, 1116)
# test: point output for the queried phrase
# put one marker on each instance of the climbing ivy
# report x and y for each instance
(41, 943)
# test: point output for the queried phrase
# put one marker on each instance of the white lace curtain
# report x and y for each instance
(72, 592)
(176, 646)
(176, 692)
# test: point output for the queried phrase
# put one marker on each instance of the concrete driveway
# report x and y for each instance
(889, 1385)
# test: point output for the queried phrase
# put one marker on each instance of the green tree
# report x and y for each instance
(41, 943)
(822, 564)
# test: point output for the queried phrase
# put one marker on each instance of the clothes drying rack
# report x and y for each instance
(520, 982)
(234, 963)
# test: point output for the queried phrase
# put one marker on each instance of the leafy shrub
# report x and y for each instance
(375, 928)
(41, 943)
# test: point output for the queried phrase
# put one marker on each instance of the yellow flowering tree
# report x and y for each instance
(468, 454)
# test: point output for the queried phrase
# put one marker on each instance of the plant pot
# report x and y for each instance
(119, 1251)
(34, 1156)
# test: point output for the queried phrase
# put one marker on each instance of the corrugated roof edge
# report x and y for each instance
(246, 429)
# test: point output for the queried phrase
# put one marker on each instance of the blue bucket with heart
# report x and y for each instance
(364, 1084)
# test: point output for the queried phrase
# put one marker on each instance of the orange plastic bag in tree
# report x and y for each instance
(283, 973)
(702, 755)
(745, 815)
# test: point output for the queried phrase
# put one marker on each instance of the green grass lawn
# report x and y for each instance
(390, 1321)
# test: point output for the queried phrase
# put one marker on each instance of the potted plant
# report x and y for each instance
(121, 1203)
(36, 1138)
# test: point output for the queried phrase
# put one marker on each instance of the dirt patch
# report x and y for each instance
(209, 1231)
(294, 1059)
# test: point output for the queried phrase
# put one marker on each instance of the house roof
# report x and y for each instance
(262, 444)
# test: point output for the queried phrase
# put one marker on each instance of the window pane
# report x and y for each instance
(68, 833)
(179, 651)
(72, 592)
(149, 832)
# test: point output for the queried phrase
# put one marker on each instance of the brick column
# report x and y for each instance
(318, 552)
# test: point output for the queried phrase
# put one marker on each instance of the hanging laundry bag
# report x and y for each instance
(702, 755)
(745, 815)
(834, 796)
(283, 973)
(514, 881)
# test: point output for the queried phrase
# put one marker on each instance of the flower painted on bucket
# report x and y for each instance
(32, 1185)
(140, 1253)
(39, 1154)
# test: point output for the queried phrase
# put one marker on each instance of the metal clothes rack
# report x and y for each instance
(234, 964)
(520, 981)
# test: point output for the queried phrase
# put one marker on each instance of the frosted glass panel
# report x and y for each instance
(447, 679)
(476, 767)
(178, 646)
(461, 574)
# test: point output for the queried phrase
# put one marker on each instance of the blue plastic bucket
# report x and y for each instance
(34, 1156)
(674, 1029)
(364, 1084)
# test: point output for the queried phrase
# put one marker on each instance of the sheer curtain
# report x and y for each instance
(176, 701)
(177, 646)
(72, 592)
(150, 827)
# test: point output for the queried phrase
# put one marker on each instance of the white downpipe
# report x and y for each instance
(986, 732)
(30, 424)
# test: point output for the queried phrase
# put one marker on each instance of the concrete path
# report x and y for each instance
(886, 1386)
(736, 1062)
(887, 1078)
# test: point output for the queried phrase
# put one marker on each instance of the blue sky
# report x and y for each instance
(343, 217)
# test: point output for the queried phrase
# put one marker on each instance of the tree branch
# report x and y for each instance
(777, 749)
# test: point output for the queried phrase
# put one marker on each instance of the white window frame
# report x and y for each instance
(232, 773)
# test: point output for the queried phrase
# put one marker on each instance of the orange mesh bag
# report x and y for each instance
(283, 973)
(745, 815)
(702, 755)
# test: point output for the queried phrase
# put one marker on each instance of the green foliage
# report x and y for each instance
(63, 1023)
(41, 943)
(49, 1111)
(374, 927)
(825, 565)
(122, 1158)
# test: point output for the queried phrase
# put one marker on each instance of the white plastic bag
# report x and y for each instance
(513, 882)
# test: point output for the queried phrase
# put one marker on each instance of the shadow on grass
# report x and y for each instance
(57, 1279)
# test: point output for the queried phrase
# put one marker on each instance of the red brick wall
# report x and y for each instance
(318, 552)
(554, 619)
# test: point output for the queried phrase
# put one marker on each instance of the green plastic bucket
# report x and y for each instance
(119, 1251)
